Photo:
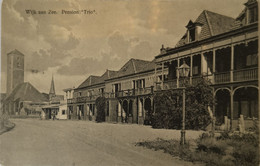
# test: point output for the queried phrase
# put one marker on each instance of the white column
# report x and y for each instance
(203, 64)
(140, 107)
(87, 109)
(191, 64)
(214, 65)
(232, 63)
(155, 73)
(162, 74)
(119, 109)
(177, 70)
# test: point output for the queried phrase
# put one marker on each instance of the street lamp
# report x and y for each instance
(183, 72)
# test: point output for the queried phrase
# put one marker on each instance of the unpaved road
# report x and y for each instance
(36, 142)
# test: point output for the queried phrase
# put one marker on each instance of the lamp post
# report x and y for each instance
(183, 71)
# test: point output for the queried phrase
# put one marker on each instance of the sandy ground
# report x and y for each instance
(36, 142)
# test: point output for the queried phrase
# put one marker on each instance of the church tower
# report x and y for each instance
(15, 70)
(52, 90)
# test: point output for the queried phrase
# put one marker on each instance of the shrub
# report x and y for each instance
(101, 105)
(229, 148)
(168, 110)
(4, 118)
(171, 147)
(246, 154)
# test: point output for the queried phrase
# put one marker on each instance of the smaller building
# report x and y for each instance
(69, 100)
(57, 107)
(25, 99)
(57, 111)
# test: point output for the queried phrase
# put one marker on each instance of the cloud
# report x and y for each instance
(83, 44)
(46, 41)
(173, 16)
(120, 51)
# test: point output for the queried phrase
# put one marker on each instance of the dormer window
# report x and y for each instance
(253, 14)
(252, 11)
(193, 31)
(192, 34)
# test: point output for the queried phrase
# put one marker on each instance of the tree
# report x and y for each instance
(168, 107)
(101, 105)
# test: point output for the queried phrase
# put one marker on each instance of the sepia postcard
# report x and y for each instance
(137, 82)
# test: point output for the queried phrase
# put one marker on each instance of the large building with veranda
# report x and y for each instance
(219, 48)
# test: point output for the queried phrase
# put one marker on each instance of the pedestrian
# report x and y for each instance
(53, 115)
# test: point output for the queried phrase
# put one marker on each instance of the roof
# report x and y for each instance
(26, 92)
(241, 19)
(53, 106)
(130, 67)
(52, 89)
(211, 24)
(57, 98)
(133, 66)
(68, 89)
(89, 81)
(15, 51)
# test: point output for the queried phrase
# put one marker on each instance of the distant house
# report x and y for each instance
(56, 107)
(59, 111)
(128, 94)
(25, 99)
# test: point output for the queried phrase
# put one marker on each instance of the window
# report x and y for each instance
(195, 70)
(140, 84)
(63, 112)
(192, 34)
(101, 90)
(251, 60)
(79, 93)
(253, 15)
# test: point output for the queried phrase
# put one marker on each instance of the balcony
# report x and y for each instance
(241, 75)
(143, 91)
(170, 84)
(81, 99)
(246, 74)
(223, 77)
(108, 95)
(70, 101)
(134, 92)
(250, 74)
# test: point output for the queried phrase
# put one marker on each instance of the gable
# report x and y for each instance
(26, 92)
(211, 24)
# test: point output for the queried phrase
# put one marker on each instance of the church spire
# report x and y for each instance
(52, 89)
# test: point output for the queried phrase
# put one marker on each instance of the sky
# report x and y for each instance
(104, 35)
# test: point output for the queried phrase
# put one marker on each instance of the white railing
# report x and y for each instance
(223, 77)
(246, 74)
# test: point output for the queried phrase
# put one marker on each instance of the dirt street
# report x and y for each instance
(36, 142)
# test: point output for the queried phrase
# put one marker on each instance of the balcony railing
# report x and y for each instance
(246, 74)
(108, 95)
(249, 74)
(134, 92)
(158, 86)
(143, 91)
(81, 99)
(70, 101)
(170, 84)
(223, 77)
